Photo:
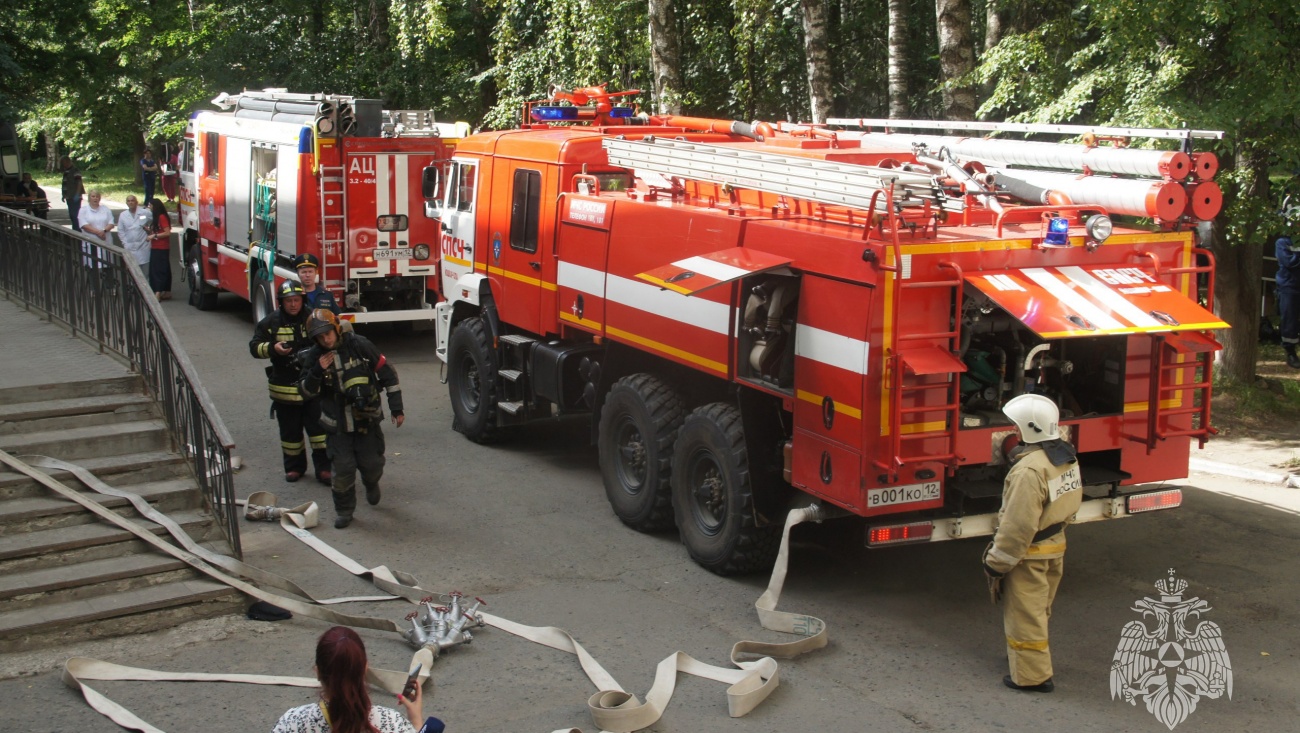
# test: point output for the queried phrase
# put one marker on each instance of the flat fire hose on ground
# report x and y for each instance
(612, 708)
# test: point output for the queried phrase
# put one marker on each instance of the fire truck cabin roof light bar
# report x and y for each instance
(1166, 134)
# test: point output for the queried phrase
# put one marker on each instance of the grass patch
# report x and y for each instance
(1271, 406)
(115, 178)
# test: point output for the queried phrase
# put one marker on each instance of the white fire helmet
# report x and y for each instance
(1035, 415)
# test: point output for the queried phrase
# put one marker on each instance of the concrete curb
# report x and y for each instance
(1284, 480)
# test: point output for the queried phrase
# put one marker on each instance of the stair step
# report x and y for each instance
(70, 390)
(69, 406)
(33, 550)
(150, 608)
(95, 577)
(48, 512)
(118, 470)
(517, 339)
(510, 375)
(92, 441)
(32, 417)
(511, 408)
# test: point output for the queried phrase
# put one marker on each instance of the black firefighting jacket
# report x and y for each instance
(349, 388)
(283, 373)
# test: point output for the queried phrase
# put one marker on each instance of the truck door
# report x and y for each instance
(517, 252)
(458, 222)
(189, 218)
(831, 352)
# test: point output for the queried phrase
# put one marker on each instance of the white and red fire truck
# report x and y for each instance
(279, 174)
(749, 314)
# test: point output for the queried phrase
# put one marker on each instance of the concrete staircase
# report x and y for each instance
(66, 575)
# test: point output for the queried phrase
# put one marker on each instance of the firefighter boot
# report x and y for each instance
(373, 494)
(1292, 360)
(1047, 686)
(345, 502)
(321, 460)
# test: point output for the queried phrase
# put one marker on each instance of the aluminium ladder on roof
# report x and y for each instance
(1029, 128)
(821, 181)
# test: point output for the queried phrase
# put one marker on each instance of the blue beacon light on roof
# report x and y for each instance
(1058, 232)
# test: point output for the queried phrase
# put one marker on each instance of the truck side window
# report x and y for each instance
(187, 157)
(524, 209)
(211, 158)
(465, 184)
(453, 186)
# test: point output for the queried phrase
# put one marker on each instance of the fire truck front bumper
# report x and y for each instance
(413, 314)
(982, 525)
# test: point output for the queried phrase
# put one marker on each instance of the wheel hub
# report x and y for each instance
(473, 389)
(632, 456)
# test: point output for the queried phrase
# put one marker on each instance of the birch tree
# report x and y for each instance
(816, 40)
(956, 57)
(665, 57)
(899, 105)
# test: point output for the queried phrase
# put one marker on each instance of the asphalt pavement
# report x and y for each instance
(915, 644)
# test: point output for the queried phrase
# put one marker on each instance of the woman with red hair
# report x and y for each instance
(345, 706)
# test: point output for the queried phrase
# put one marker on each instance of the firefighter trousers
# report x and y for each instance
(1027, 595)
(294, 419)
(353, 452)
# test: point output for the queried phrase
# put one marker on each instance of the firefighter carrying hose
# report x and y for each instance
(279, 337)
(1025, 561)
(347, 372)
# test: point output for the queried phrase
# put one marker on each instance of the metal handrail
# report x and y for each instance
(89, 287)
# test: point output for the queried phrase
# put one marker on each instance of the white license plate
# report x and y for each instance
(393, 253)
(909, 494)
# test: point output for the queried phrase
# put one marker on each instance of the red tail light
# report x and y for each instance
(898, 534)
(1154, 500)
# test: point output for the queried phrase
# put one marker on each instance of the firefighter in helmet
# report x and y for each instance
(347, 372)
(315, 294)
(279, 337)
(1024, 562)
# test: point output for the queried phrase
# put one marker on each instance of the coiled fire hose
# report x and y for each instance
(612, 708)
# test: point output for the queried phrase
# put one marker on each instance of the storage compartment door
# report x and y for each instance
(1073, 302)
(286, 174)
(238, 177)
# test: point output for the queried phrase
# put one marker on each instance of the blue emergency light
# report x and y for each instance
(623, 112)
(552, 114)
(1058, 232)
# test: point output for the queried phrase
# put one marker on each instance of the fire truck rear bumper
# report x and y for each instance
(983, 525)
(415, 314)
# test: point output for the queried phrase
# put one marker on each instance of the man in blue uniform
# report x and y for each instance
(1288, 296)
(308, 267)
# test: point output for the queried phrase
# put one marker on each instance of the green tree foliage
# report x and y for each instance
(1228, 65)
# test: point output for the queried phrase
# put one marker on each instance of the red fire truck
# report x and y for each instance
(749, 313)
(279, 174)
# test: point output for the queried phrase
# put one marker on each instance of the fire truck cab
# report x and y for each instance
(278, 175)
(752, 317)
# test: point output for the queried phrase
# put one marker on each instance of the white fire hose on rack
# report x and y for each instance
(612, 708)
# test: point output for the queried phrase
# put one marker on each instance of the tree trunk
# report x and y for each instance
(665, 57)
(1237, 282)
(51, 150)
(995, 24)
(899, 104)
(956, 57)
(816, 44)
